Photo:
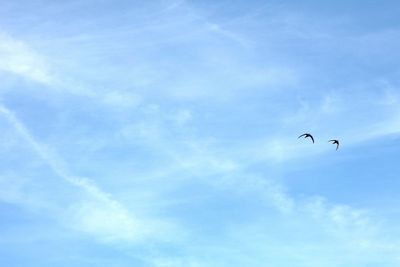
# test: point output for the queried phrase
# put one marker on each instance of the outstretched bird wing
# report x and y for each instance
(335, 142)
(307, 135)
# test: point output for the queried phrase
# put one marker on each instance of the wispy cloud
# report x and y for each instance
(20, 59)
(100, 214)
(186, 115)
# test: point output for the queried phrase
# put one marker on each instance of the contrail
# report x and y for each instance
(113, 220)
(51, 159)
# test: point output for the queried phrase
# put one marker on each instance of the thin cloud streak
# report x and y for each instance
(219, 152)
(104, 216)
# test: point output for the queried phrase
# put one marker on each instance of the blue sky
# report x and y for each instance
(164, 133)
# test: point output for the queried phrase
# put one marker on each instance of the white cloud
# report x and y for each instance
(182, 117)
(18, 58)
(107, 220)
(101, 215)
(121, 99)
(220, 70)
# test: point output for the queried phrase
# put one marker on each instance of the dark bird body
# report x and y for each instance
(306, 135)
(335, 142)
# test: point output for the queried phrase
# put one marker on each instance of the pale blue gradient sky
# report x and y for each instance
(164, 133)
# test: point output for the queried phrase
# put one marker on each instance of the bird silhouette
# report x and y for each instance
(335, 142)
(307, 135)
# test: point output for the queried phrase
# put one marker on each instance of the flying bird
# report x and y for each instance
(335, 142)
(307, 135)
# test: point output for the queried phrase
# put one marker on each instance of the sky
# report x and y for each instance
(164, 133)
